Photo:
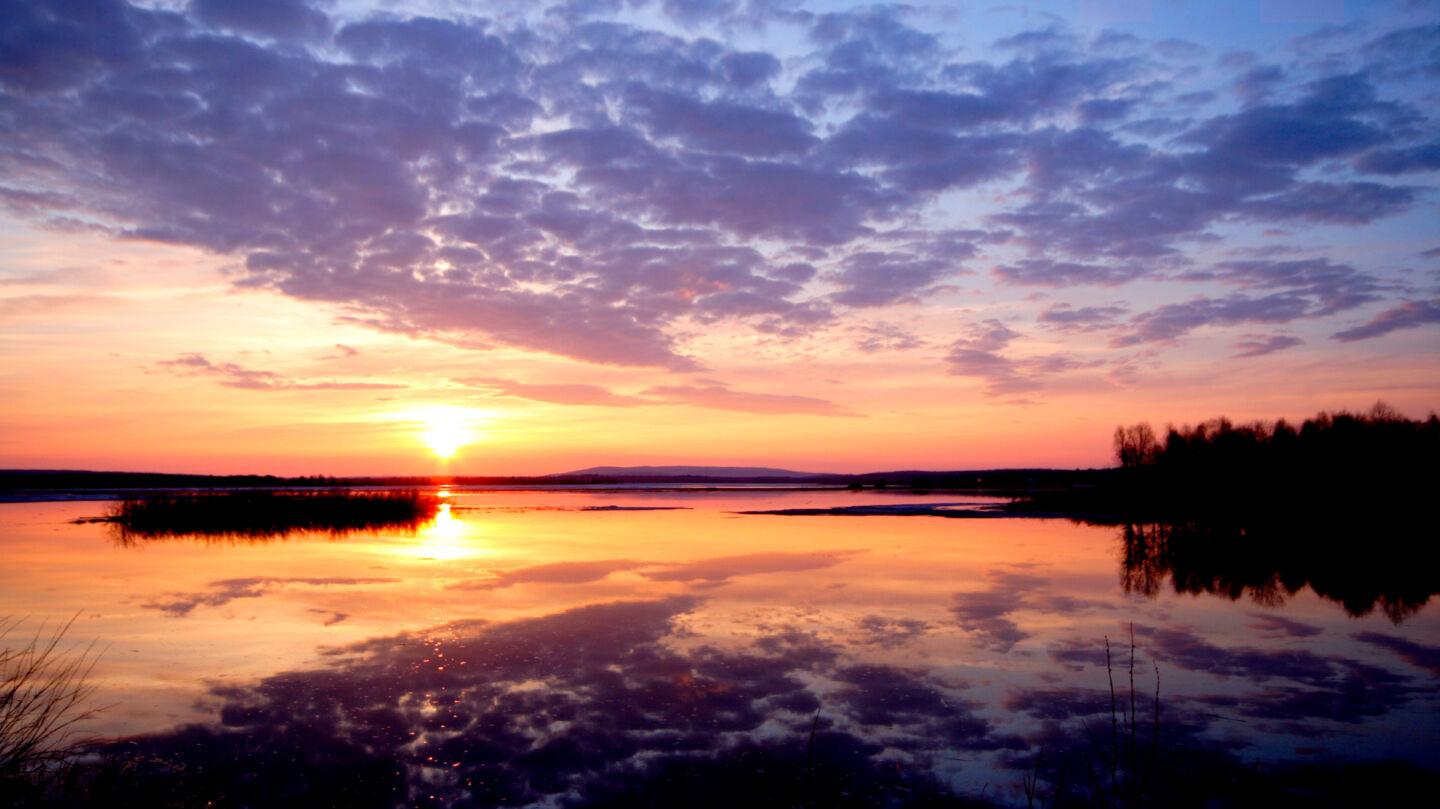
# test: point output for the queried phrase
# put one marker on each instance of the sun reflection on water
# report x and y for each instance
(446, 538)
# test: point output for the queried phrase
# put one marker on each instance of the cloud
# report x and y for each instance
(1408, 315)
(1335, 287)
(22, 305)
(710, 394)
(1175, 320)
(1298, 289)
(719, 397)
(1046, 272)
(1425, 157)
(569, 394)
(878, 279)
(719, 127)
(1258, 345)
(884, 337)
(1066, 317)
(586, 184)
(979, 356)
(278, 19)
(1330, 120)
(236, 376)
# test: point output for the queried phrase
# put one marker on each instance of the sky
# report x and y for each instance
(352, 238)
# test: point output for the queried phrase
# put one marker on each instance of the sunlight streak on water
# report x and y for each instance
(447, 538)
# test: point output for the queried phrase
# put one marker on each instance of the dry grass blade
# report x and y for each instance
(44, 692)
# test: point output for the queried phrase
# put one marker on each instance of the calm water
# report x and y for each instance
(524, 650)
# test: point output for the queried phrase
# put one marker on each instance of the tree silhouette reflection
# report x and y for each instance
(1360, 573)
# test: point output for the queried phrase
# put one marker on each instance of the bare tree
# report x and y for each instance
(1135, 446)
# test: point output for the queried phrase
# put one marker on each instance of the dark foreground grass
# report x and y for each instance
(263, 514)
(44, 692)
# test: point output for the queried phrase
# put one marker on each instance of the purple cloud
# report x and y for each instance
(277, 19)
(719, 397)
(1175, 320)
(1258, 345)
(1408, 315)
(1045, 272)
(569, 394)
(884, 337)
(236, 376)
(1425, 157)
(879, 279)
(979, 356)
(1065, 317)
(596, 189)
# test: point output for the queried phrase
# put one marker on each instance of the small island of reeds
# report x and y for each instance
(268, 513)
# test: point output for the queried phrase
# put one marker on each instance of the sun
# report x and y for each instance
(446, 429)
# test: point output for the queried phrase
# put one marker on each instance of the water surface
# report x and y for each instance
(575, 647)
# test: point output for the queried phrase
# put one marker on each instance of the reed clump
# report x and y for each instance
(44, 692)
(263, 513)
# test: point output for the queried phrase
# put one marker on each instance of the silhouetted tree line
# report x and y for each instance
(1221, 471)
(1343, 504)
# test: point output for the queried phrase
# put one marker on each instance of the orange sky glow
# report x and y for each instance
(530, 263)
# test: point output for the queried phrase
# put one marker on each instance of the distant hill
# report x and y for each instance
(688, 471)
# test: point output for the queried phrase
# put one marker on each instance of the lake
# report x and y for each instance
(599, 648)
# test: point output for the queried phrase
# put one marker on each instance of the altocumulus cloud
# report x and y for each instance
(567, 183)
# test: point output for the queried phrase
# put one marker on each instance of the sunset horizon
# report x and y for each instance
(453, 462)
(512, 239)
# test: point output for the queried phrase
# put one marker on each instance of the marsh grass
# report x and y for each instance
(266, 514)
(1118, 773)
(44, 693)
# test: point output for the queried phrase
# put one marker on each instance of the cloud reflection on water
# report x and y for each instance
(593, 701)
(597, 660)
(601, 704)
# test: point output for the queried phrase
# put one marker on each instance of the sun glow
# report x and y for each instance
(446, 429)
